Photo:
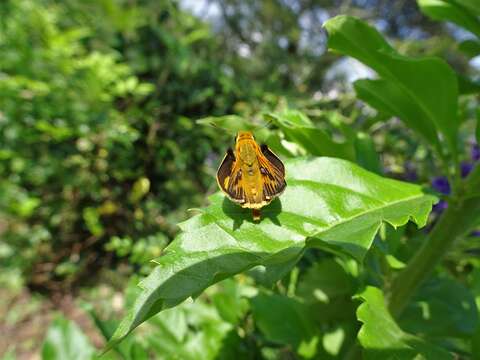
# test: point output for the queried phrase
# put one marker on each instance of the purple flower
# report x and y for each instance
(465, 169)
(440, 207)
(475, 233)
(410, 173)
(475, 152)
(441, 184)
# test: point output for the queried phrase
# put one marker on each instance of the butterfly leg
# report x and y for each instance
(257, 214)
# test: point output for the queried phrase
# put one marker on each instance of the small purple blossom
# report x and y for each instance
(475, 233)
(465, 169)
(410, 173)
(475, 152)
(441, 184)
(440, 206)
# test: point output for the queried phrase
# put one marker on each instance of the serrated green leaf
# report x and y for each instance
(423, 90)
(381, 337)
(454, 12)
(338, 203)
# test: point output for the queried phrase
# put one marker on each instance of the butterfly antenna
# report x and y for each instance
(212, 124)
(265, 125)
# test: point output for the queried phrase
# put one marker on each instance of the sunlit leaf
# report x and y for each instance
(329, 203)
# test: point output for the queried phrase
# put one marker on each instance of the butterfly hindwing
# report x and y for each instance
(229, 177)
(273, 173)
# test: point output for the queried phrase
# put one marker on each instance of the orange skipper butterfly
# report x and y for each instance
(252, 175)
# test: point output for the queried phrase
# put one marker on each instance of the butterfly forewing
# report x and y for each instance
(273, 173)
(229, 176)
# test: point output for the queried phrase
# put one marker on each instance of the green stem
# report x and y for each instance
(457, 220)
(472, 183)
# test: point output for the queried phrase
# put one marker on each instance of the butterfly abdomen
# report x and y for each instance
(252, 183)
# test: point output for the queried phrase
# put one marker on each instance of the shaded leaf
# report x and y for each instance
(335, 201)
(441, 307)
(467, 86)
(381, 337)
(366, 154)
(324, 281)
(327, 288)
(477, 130)
(472, 6)
(388, 98)
(470, 47)
(286, 321)
(475, 287)
(230, 303)
(298, 128)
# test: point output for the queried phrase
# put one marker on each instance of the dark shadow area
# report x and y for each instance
(339, 248)
(239, 214)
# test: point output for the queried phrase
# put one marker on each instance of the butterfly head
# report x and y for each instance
(244, 135)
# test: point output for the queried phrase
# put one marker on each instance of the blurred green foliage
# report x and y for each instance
(98, 140)
(102, 153)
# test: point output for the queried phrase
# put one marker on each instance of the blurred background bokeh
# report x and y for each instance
(101, 155)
